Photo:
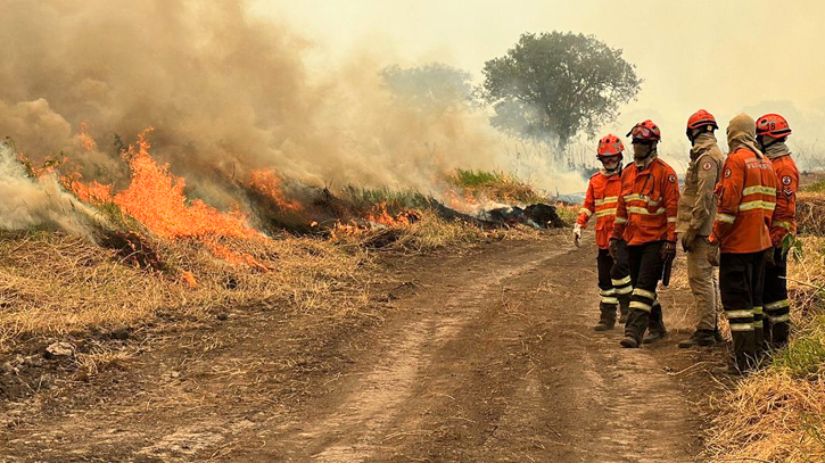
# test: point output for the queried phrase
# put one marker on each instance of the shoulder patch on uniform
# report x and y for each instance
(786, 180)
(672, 178)
(788, 192)
(728, 172)
(707, 165)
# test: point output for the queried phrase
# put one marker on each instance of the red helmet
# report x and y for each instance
(772, 125)
(610, 146)
(646, 131)
(699, 119)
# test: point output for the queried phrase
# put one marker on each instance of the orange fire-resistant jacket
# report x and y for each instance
(648, 204)
(601, 200)
(784, 216)
(746, 198)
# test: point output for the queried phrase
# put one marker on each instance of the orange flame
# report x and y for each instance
(381, 215)
(268, 183)
(189, 279)
(156, 199)
(465, 201)
(235, 258)
(93, 192)
(86, 141)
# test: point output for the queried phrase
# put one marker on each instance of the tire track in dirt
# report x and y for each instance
(367, 401)
(483, 357)
(500, 364)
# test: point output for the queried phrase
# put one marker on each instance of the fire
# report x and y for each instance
(86, 141)
(379, 218)
(268, 183)
(464, 202)
(156, 199)
(189, 279)
(234, 258)
(381, 215)
(93, 192)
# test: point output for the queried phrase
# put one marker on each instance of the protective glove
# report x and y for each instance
(577, 234)
(668, 251)
(687, 239)
(770, 257)
(713, 254)
(613, 249)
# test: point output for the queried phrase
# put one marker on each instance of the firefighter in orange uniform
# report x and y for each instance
(601, 200)
(771, 132)
(746, 198)
(645, 226)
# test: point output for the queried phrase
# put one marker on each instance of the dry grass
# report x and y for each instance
(778, 414)
(771, 417)
(811, 213)
(427, 234)
(51, 284)
(495, 186)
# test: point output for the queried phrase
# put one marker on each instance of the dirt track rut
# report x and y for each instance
(486, 357)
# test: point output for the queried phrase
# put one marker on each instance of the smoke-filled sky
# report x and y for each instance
(232, 87)
(731, 56)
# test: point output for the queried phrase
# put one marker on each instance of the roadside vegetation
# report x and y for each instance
(778, 414)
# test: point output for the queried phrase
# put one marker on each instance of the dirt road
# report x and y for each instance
(487, 356)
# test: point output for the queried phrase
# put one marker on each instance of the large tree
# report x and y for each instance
(554, 85)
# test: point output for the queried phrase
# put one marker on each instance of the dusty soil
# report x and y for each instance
(483, 356)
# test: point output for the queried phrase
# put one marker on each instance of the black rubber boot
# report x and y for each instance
(656, 325)
(779, 335)
(760, 349)
(743, 351)
(624, 308)
(607, 320)
(700, 338)
(634, 329)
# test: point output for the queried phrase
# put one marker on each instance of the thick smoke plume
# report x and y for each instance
(226, 93)
(42, 202)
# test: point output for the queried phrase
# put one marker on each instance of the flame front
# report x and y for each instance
(268, 183)
(156, 199)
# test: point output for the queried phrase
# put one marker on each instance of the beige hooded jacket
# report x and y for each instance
(697, 205)
(742, 133)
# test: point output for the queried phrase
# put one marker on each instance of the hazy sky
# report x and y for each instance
(725, 56)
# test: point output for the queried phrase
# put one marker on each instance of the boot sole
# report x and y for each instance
(629, 344)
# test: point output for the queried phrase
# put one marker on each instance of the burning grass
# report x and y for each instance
(426, 233)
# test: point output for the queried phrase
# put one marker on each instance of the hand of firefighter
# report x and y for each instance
(577, 234)
(613, 249)
(713, 254)
(770, 257)
(687, 239)
(668, 251)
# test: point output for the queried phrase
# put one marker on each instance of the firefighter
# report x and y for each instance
(746, 197)
(771, 132)
(697, 208)
(601, 200)
(645, 226)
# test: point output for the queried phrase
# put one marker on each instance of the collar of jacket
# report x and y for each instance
(701, 144)
(646, 164)
(777, 150)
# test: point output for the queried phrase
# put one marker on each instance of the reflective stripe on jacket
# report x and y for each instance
(746, 200)
(784, 216)
(601, 200)
(648, 204)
